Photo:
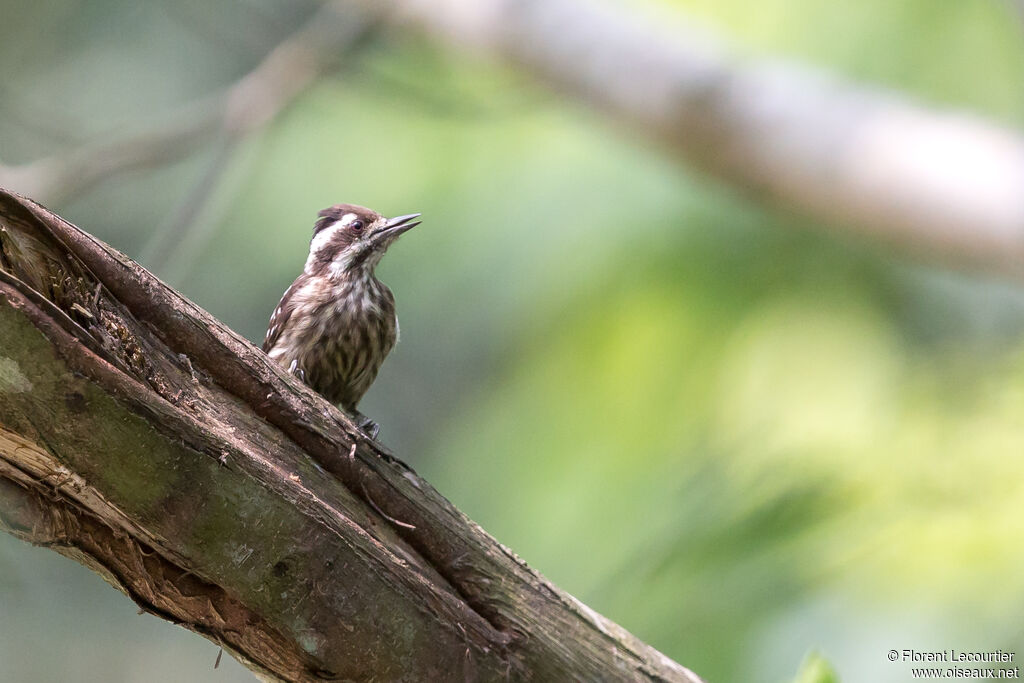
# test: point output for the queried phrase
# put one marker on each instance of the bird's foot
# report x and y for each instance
(297, 371)
(368, 426)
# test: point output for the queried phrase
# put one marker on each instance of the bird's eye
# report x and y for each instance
(357, 226)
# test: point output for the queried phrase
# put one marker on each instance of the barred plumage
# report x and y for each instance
(336, 323)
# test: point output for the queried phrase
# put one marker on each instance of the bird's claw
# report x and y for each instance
(297, 371)
(368, 426)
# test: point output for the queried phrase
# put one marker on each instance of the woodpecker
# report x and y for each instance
(336, 324)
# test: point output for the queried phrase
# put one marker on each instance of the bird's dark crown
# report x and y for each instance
(333, 214)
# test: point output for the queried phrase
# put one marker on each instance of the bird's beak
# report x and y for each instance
(397, 225)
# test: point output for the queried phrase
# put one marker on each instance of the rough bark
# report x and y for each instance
(938, 184)
(145, 440)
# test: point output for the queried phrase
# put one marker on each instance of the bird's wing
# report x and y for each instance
(279, 319)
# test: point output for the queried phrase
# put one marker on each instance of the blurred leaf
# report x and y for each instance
(816, 669)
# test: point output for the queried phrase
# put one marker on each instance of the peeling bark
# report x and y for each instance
(142, 438)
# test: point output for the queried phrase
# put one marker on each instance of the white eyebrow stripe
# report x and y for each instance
(323, 238)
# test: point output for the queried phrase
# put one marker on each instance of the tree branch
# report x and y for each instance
(942, 184)
(144, 439)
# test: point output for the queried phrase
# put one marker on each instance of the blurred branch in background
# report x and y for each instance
(940, 184)
(33, 119)
(64, 176)
(241, 109)
(256, 100)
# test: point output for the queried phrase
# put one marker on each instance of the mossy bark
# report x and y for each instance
(145, 440)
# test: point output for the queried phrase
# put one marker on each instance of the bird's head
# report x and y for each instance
(348, 239)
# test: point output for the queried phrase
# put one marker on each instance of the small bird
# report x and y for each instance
(336, 324)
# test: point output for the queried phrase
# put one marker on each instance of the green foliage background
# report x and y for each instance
(741, 439)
